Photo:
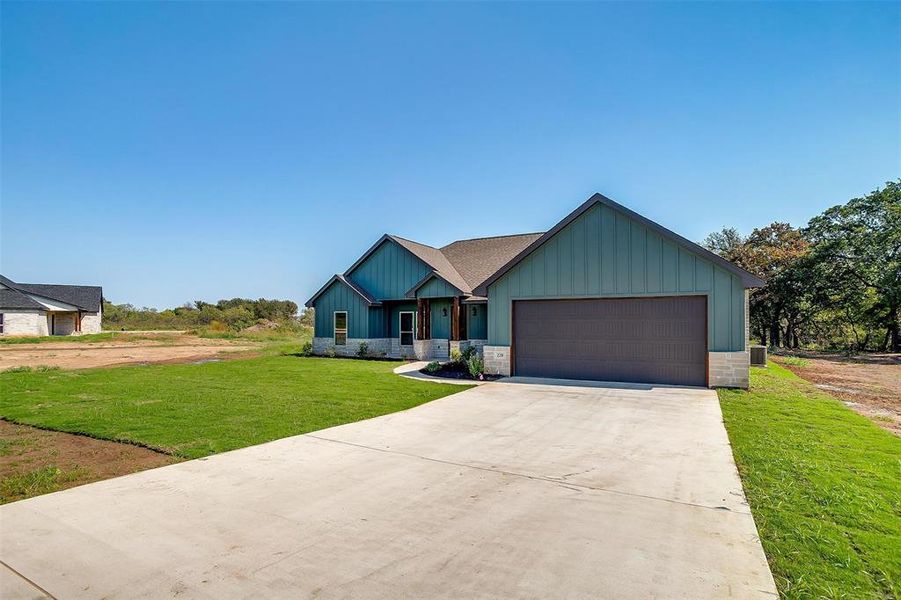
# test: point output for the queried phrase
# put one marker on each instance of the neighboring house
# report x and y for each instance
(606, 295)
(34, 309)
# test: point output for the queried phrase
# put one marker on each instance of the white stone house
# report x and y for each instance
(38, 309)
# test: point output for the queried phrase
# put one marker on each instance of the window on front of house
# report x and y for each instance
(341, 328)
(407, 323)
(1, 322)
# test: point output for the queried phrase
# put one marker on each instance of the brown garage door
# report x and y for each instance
(642, 340)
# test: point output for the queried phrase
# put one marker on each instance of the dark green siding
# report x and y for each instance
(340, 297)
(437, 288)
(389, 272)
(605, 253)
(440, 321)
(377, 324)
(476, 324)
(394, 319)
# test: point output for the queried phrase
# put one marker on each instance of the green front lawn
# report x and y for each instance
(197, 410)
(824, 485)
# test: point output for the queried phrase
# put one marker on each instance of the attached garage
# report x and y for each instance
(609, 295)
(642, 340)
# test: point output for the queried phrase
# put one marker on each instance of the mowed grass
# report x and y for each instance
(197, 410)
(88, 338)
(824, 485)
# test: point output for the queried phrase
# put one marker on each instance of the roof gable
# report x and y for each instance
(369, 300)
(433, 285)
(747, 279)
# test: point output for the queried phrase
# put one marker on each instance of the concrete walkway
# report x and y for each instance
(516, 489)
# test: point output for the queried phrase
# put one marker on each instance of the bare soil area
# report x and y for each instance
(169, 348)
(34, 461)
(869, 384)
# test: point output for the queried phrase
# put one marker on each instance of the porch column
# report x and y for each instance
(420, 318)
(455, 319)
(423, 318)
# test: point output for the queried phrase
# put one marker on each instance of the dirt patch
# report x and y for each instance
(868, 384)
(34, 461)
(167, 349)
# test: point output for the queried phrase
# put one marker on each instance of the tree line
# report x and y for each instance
(834, 284)
(233, 314)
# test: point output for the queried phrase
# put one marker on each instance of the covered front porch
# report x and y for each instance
(428, 328)
(64, 322)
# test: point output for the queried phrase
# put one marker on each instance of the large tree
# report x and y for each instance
(857, 252)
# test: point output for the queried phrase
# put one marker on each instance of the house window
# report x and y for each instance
(407, 324)
(341, 328)
(1, 322)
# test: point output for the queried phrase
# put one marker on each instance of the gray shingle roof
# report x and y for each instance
(10, 298)
(477, 259)
(85, 297)
(437, 260)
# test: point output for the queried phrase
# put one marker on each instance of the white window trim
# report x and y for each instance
(335, 329)
(400, 332)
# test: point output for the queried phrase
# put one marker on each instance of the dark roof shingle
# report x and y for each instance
(85, 297)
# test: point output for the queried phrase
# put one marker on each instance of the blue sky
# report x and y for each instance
(182, 151)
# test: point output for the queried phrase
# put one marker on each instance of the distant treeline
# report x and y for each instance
(234, 314)
(834, 284)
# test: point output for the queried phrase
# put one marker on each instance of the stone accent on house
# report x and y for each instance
(374, 347)
(431, 349)
(91, 322)
(25, 322)
(391, 348)
(464, 344)
(730, 369)
(497, 360)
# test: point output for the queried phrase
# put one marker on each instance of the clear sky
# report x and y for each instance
(182, 151)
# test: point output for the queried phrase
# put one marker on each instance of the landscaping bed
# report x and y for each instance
(457, 370)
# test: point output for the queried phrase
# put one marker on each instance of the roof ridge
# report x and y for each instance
(492, 237)
(392, 235)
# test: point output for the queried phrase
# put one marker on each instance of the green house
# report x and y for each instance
(605, 294)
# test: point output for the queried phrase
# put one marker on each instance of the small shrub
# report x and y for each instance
(476, 366)
(456, 356)
(468, 353)
(45, 368)
(363, 350)
(18, 370)
(433, 367)
(307, 349)
(331, 352)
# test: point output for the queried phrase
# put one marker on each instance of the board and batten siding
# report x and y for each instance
(440, 319)
(437, 288)
(476, 321)
(340, 297)
(604, 253)
(389, 272)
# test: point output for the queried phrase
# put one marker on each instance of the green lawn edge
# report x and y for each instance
(194, 410)
(824, 485)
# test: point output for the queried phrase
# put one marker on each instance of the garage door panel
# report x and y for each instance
(646, 340)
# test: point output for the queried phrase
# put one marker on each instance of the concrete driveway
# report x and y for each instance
(509, 490)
